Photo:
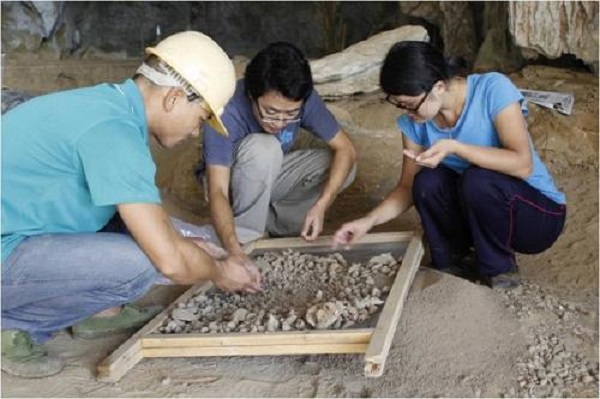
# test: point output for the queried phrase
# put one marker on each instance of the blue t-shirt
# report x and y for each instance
(487, 95)
(240, 122)
(69, 157)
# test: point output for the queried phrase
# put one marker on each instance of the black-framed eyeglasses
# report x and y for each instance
(415, 109)
(277, 117)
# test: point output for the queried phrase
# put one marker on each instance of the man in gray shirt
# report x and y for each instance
(254, 183)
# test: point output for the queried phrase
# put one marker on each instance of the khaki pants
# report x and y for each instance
(271, 192)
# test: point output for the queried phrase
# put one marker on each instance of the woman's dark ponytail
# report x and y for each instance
(412, 68)
(457, 66)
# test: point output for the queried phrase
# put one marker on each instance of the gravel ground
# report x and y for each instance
(552, 366)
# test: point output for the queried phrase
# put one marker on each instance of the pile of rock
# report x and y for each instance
(301, 291)
(549, 368)
(552, 370)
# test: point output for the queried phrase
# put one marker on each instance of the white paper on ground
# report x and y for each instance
(561, 102)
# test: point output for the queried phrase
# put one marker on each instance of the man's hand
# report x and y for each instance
(237, 272)
(313, 223)
(350, 232)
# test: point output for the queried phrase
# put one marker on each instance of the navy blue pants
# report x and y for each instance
(494, 213)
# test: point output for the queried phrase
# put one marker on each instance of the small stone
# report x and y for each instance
(587, 379)
(291, 318)
(347, 323)
(201, 298)
(319, 296)
(166, 381)
(240, 315)
(563, 373)
(273, 323)
(541, 373)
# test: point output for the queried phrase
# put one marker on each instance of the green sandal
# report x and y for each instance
(22, 357)
(129, 319)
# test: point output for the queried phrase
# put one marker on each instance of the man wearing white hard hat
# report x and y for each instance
(83, 229)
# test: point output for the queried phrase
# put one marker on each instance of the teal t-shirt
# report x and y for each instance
(487, 95)
(69, 158)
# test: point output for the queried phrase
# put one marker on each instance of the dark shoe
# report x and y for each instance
(464, 267)
(458, 271)
(508, 281)
(129, 319)
(24, 358)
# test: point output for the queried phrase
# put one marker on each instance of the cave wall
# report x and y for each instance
(120, 30)
(555, 28)
(488, 35)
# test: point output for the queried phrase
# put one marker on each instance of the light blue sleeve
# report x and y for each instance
(500, 92)
(117, 165)
(409, 129)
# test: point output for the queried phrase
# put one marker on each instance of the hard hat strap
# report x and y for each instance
(168, 78)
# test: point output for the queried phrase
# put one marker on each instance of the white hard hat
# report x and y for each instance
(204, 65)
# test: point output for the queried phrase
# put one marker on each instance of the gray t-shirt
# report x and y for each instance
(240, 122)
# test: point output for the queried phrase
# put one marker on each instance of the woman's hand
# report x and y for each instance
(350, 232)
(434, 155)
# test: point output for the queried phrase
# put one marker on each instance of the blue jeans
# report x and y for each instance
(53, 281)
(495, 213)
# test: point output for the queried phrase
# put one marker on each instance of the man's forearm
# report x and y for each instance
(222, 218)
(199, 265)
(341, 167)
(174, 256)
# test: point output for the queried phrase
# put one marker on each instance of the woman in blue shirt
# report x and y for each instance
(469, 168)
